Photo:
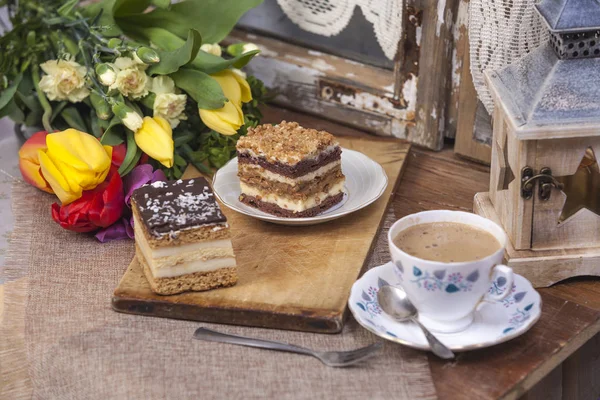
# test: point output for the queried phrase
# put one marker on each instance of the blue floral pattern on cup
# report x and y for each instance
(518, 318)
(370, 303)
(439, 280)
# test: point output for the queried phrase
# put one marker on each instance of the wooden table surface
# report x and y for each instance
(559, 358)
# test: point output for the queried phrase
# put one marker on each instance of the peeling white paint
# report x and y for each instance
(419, 33)
(456, 70)
(389, 88)
(370, 102)
(409, 92)
(251, 36)
(441, 7)
(350, 75)
(352, 62)
(321, 65)
(433, 114)
(265, 52)
(315, 53)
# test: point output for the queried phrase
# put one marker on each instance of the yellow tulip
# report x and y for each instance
(155, 138)
(73, 162)
(228, 119)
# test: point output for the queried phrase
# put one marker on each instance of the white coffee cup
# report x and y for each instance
(446, 294)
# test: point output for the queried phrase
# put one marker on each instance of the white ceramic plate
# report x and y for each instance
(494, 322)
(365, 182)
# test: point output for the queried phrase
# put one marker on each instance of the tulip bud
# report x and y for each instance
(131, 119)
(147, 55)
(102, 108)
(106, 74)
(213, 49)
(114, 43)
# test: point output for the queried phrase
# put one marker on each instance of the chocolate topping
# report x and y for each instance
(293, 171)
(167, 207)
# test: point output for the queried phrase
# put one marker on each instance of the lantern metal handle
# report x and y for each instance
(547, 182)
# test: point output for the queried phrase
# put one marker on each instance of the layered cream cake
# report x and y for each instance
(290, 171)
(182, 238)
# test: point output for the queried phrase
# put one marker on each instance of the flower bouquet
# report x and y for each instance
(127, 92)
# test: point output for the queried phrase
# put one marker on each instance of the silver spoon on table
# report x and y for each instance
(394, 301)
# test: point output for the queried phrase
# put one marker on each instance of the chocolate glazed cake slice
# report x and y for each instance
(289, 171)
(182, 238)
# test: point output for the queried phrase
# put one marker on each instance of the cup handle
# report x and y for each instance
(507, 272)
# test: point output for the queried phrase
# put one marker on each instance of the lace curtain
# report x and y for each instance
(500, 32)
(330, 17)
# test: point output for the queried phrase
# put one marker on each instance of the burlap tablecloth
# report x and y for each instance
(60, 339)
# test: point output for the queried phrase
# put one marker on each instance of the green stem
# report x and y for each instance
(189, 153)
(35, 77)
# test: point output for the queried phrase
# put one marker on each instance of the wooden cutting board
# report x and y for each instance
(295, 278)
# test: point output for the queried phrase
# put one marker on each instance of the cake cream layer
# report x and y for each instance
(187, 268)
(291, 204)
(168, 257)
(296, 170)
(270, 175)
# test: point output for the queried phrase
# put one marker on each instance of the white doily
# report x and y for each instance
(330, 17)
(501, 32)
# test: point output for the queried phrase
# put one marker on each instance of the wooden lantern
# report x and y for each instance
(545, 180)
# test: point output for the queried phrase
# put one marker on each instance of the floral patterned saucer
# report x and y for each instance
(494, 322)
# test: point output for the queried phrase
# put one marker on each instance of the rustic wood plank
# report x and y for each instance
(549, 388)
(283, 271)
(466, 145)
(433, 89)
(581, 372)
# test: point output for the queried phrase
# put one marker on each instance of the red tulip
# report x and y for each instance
(29, 162)
(95, 209)
(118, 154)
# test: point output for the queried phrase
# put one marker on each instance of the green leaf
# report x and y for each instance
(30, 101)
(94, 123)
(128, 7)
(210, 63)
(107, 18)
(10, 91)
(73, 119)
(132, 156)
(165, 4)
(171, 61)
(159, 37)
(205, 90)
(213, 18)
(112, 134)
(57, 110)
(66, 8)
(8, 109)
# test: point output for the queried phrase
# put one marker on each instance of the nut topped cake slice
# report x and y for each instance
(289, 171)
(182, 238)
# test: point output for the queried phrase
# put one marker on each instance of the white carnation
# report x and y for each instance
(213, 48)
(249, 47)
(108, 77)
(170, 106)
(133, 121)
(162, 84)
(64, 80)
(131, 82)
